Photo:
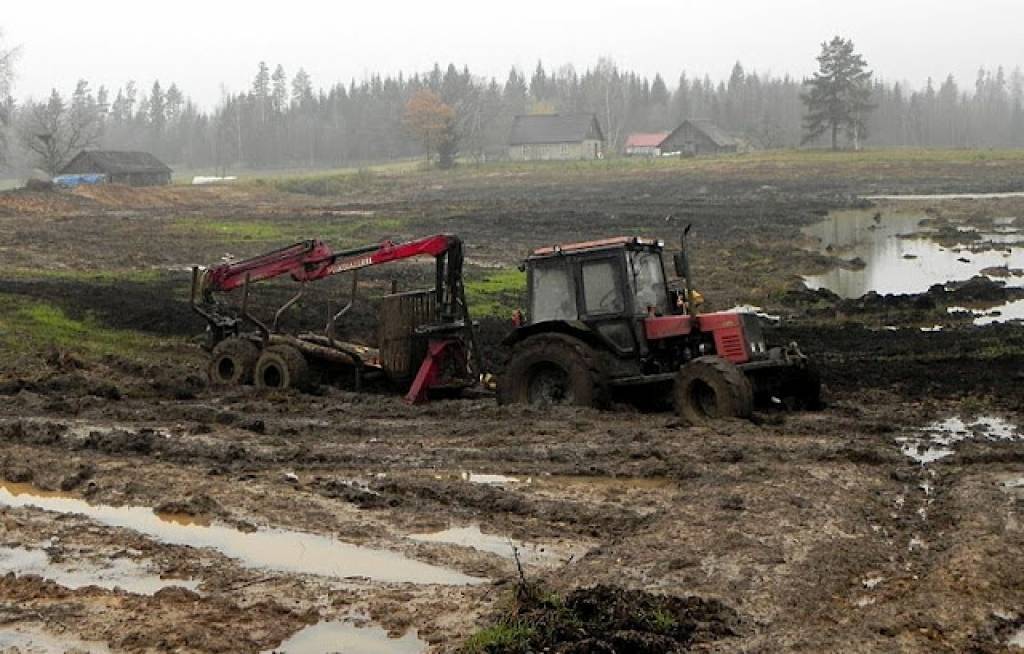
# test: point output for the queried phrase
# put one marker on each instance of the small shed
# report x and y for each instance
(130, 168)
(547, 137)
(644, 144)
(697, 137)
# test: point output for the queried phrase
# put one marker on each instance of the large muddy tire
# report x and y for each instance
(281, 367)
(553, 369)
(710, 388)
(801, 390)
(232, 362)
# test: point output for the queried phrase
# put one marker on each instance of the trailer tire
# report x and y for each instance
(282, 367)
(232, 362)
(553, 369)
(709, 388)
(802, 389)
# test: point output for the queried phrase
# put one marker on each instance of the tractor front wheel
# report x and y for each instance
(552, 369)
(232, 362)
(281, 367)
(710, 388)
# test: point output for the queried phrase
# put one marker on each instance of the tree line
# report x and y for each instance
(285, 120)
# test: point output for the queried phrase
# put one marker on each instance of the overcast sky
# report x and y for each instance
(201, 45)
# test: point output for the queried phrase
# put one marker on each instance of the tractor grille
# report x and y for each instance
(731, 346)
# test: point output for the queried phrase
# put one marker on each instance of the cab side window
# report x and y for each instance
(554, 297)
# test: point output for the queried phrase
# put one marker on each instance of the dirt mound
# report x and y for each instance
(25, 202)
(611, 620)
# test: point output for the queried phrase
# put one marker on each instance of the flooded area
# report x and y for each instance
(329, 637)
(936, 440)
(120, 573)
(501, 545)
(897, 253)
(281, 550)
(26, 640)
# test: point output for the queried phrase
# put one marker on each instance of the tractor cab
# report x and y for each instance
(610, 286)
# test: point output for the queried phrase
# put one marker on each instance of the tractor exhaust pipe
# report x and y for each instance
(682, 266)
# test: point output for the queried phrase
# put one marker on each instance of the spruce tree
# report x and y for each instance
(838, 96)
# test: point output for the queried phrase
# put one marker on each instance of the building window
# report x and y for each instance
(565, 149)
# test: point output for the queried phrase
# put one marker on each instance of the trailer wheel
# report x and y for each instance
(802, 389)
(553, 369)
(281, 367)
(709, 388)
(232, 362)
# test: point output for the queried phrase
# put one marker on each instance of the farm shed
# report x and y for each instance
(645, 144)
(130, 168)
(697, 137)
(555, 137)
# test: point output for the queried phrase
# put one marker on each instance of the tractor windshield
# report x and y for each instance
(648, 279)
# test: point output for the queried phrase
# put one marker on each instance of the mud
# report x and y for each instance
(809, 531)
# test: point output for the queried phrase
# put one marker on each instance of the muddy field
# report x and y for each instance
(144, 512)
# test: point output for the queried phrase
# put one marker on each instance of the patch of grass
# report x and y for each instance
(231, 229)
(496, 294)
(26, 326)
(661, 621)
(102, 276)
(513, 636)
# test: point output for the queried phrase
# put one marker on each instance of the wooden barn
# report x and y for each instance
(129, 168)
(555, 137)
(697, 137)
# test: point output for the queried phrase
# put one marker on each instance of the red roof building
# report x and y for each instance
(645, 143)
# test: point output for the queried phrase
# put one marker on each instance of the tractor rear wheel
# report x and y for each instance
(709, 388)
(232, 362)
(553, 369)
(281, 367)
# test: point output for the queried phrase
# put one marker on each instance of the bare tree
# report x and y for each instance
(7, 59)
(54, 132)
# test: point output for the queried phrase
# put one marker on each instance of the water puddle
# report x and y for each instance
(898, 257)
(125, 574)
(338, 637)
(472, 536)
(1009, 312)
(26, 640)
(493, 480)
(1016, 640)
(274, 549)
(935, 441)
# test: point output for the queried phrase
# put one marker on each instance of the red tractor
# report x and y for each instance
(602, 319)
(426, 340)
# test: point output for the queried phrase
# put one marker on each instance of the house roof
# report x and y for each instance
(113, 162)
(645, 139)
(554, 128)
(709, 129)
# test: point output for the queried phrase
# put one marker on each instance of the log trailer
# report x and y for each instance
(426, 339)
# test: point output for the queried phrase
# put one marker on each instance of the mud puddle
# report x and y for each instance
(1009, 312)
(501, 545)
(125, 574)
(274, 549)
(26, 640)
(935, 441)
(329, 637)
(899, 257)
(548, 481)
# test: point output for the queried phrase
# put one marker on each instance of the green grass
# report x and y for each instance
(102, 276)
(502, 637)
(495, 294)
(26, 326)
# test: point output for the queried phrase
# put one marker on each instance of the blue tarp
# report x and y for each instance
(71, 181)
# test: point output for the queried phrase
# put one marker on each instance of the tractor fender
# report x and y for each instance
(573, 328)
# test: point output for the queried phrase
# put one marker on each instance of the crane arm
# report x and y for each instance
(313, 260)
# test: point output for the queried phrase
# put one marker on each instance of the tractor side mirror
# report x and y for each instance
(680, 264)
